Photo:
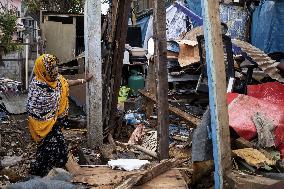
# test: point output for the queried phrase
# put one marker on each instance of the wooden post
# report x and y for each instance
(119, 47)
(217, 91)
(162, 77)
(151, 87)
(92, 16)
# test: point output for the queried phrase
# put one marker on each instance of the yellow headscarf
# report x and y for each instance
(48, 97)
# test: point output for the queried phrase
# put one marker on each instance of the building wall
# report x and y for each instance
(12, 68)
(13, 63)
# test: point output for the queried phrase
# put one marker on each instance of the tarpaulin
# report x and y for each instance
(195, 6)
(272, 92)
(266, 99)
(176, 25)
(267, 31)
(143, 23)
(236, 17)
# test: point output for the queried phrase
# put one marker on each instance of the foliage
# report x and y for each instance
(8, 22)
(64, 6)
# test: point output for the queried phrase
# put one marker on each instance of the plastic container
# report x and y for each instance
(136, 81)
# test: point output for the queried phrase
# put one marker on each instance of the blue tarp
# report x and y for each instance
(143, 23)
(268, 26)
(236, 17)
(195, 6)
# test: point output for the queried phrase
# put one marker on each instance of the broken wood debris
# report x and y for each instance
(107, 178)
(146, 176)
(138, 147)
(194, 121)
(98, 176)
(241, 143)
(254, 157)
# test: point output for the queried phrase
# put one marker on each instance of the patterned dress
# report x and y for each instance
(48, 108)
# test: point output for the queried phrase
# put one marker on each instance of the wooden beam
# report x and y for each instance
(193, 121)
(93, 65)
(162, 77)
(119, 47)
(217, 90)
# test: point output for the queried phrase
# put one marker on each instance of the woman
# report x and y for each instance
(47, 110)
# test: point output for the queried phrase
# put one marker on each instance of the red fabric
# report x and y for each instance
(272, 92)
(267, 99)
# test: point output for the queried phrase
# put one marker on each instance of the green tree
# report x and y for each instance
(8, 23)
(71, 6)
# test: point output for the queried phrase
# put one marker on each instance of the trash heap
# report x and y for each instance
(10, 86)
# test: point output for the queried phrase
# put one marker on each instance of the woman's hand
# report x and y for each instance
(88, 77)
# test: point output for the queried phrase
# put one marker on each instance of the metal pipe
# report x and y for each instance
(37, 29)
(27, 64)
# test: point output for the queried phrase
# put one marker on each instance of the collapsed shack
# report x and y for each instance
(130, 127)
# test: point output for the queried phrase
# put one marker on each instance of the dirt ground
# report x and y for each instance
(16, 141)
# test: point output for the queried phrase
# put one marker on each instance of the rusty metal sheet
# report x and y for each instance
(263, 60)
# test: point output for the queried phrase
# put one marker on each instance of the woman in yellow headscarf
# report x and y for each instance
(47, 110)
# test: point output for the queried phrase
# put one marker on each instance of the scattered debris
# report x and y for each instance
(133, 118)
(254, 157)
(57, 178)
(265, 131)
(137, 135)
(9, 161)
(10, 86)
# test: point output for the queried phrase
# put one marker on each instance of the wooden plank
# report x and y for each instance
(98, 176)
(193, 121)
(94, 67)
(168, 180)
(217, 90)
(141, 178)
(162, 78)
